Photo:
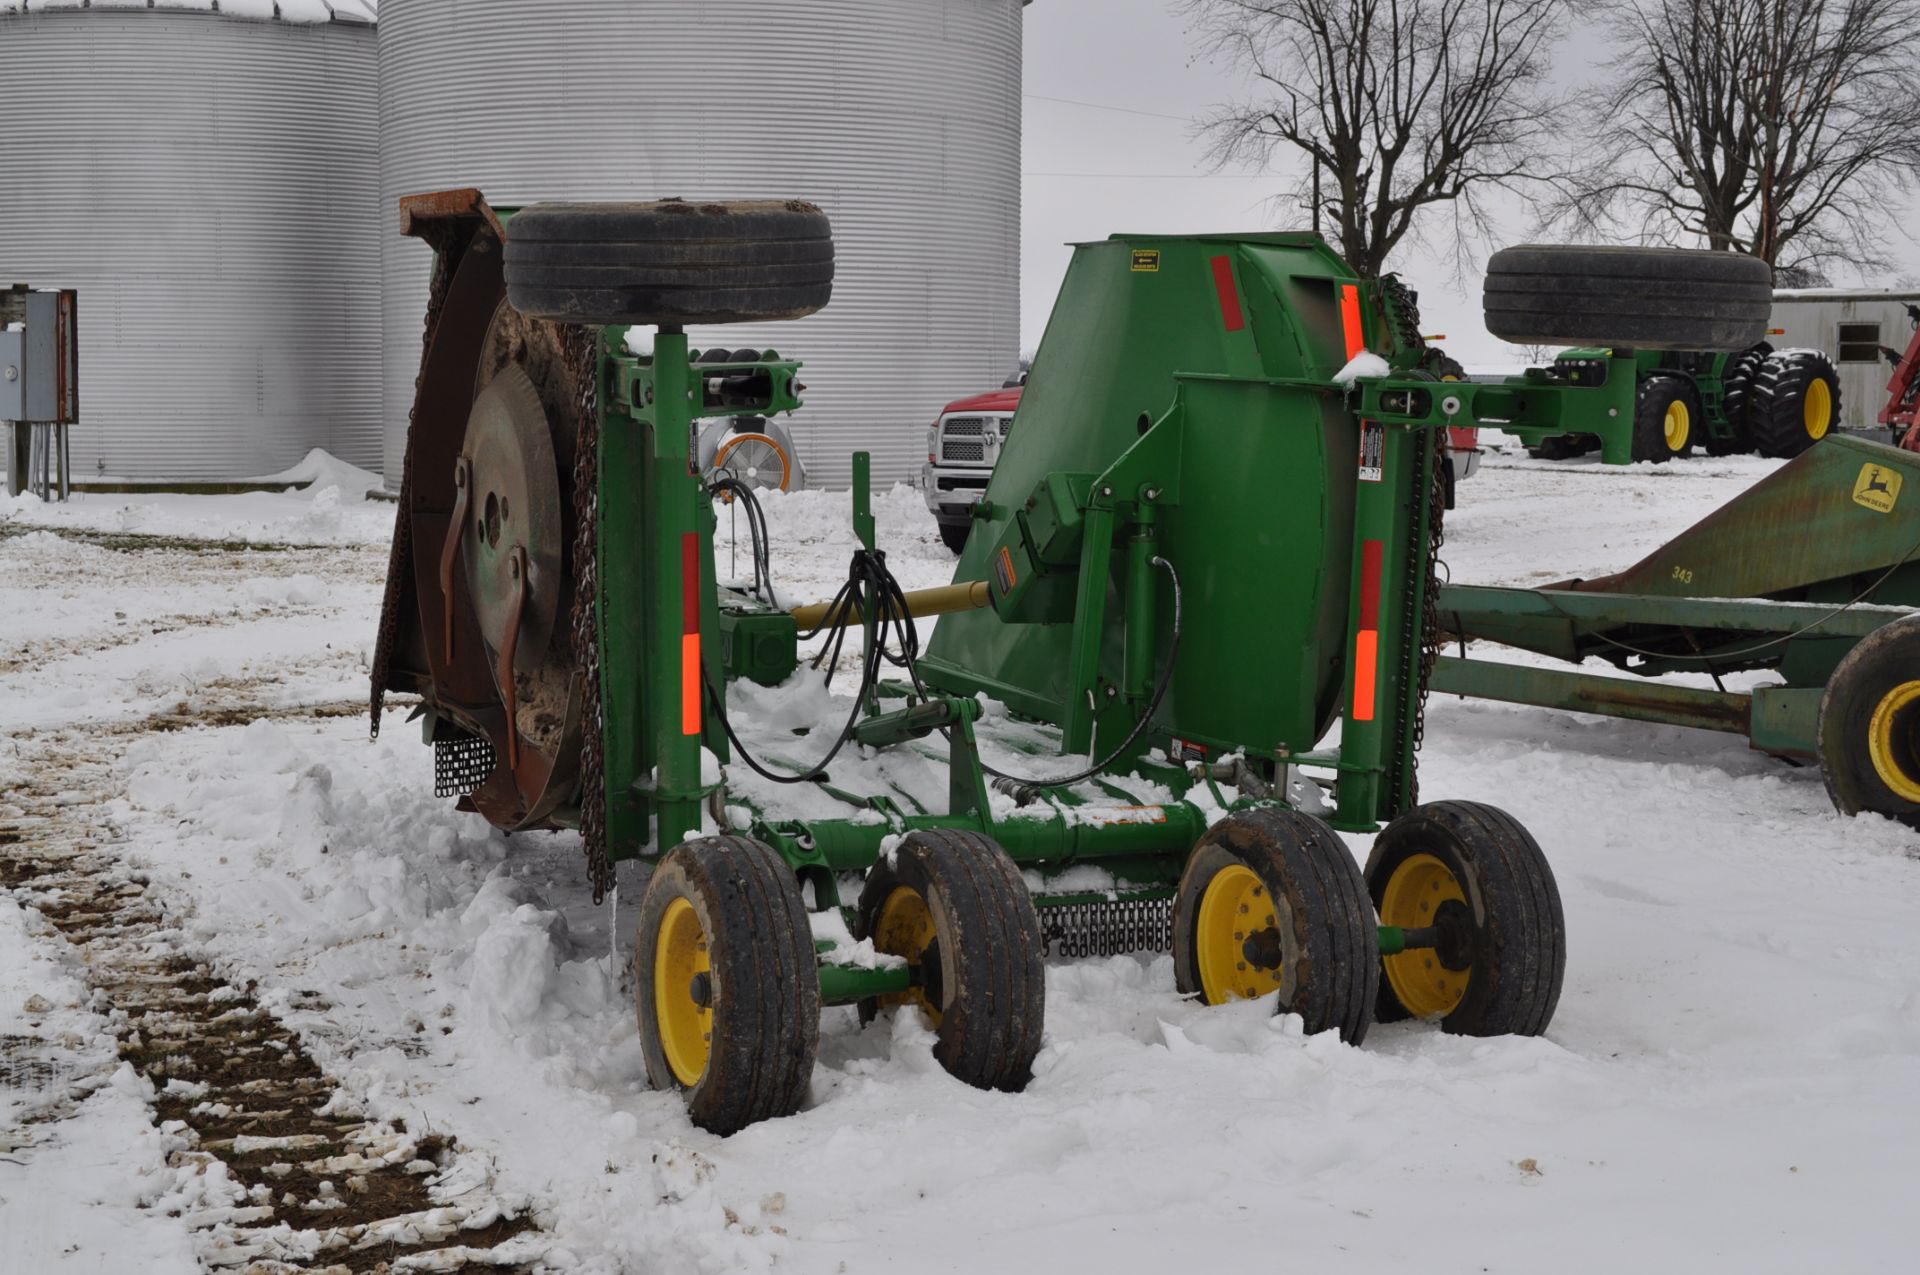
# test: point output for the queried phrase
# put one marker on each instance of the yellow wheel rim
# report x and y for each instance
(1679, 425)
(1816, 409)
(1891, 738)
(906, 928)
(1411, 900)
(1236, 907)
(686, 1027)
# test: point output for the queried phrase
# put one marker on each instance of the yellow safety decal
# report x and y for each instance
(1146, 260)
(1877, 488)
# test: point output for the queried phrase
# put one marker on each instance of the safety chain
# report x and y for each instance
(583, 360)
(1404, 314)
(1431, 638)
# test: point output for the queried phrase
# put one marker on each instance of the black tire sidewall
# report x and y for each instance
(1328, 938)
(992, 951)
(766, 987)
(1882, 660)
(1520, 944)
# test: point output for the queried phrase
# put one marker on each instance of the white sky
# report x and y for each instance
(1140, 168)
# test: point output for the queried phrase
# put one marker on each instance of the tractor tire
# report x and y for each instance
(954, 905)
(723, 917)
(1472, 871)
(669, 262)
(1639, 298)
(1870, 726)
(1288, 874)
(1666, 419)
(1737, 380)
(954, 535)
(1796, 402)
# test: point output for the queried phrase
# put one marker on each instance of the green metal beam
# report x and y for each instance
(1635, 698)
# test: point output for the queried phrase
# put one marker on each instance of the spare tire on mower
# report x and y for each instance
(1639, 298)
(669, 261)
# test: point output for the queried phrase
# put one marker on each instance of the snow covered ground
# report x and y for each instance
(1730, 1083)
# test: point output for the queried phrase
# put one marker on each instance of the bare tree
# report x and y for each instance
(1781, 128)
(1398, 107)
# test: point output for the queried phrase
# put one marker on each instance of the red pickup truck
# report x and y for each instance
(964, 442)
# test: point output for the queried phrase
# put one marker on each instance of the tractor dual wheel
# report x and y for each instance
(1870, 725)
(954, 905)
(1272, 902)
(1737, 382)
(669, 262)
(1477, 881)
(1796, 402)
(1667, 417)
(1640, 298)
(726, 987)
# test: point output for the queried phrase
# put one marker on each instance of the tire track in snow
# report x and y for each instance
(318, 1186)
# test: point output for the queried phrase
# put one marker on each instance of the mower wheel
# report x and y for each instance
(1642, 298)
(954, 535)
(1272, 901)
(726, 983)
(954, 905)
(1666, 418)
(1736, 399)
(669, 262)
(1796, 401)
(1870, 725)
(1474, 874)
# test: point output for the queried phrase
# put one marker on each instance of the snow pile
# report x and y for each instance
(326, 502)
(1365, 363)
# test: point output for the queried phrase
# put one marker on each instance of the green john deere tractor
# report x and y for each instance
(1722, 400)
(1212, 555)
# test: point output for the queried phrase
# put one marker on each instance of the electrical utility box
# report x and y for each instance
(39, 384)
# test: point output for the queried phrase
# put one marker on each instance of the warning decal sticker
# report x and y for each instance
(1373, 452)
(1146, 260)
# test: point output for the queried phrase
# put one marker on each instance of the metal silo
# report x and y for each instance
(900, 117)
(208, 181)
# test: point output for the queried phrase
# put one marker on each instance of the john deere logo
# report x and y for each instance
(1877, 488)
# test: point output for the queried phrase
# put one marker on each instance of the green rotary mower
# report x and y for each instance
(1215, 470)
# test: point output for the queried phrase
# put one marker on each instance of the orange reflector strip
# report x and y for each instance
(1350, 319)
(690, 630)
(690, 684)
(1366, 658)
(1366, 642)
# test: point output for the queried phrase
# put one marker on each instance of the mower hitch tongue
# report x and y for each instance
(1214, 546)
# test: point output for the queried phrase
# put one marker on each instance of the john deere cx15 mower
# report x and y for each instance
(1212, 554)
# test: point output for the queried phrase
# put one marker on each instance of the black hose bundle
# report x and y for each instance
(872, 589)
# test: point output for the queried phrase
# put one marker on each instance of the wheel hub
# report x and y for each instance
(1424, 892)
(515, 504)
(1893, 740)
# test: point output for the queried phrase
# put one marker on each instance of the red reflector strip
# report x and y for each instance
(1350, 319)
(1229, 291)
(690, 630)
(1366, 643)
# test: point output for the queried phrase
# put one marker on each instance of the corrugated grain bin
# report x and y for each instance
(208, 182)
(900, 117)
